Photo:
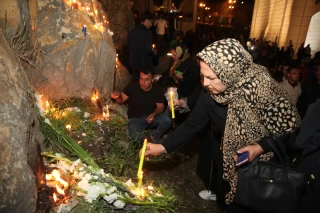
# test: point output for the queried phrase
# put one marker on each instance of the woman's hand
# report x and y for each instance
(178, 103)
(254, 151)
(153, 149)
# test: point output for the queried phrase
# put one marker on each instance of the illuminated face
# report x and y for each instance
(145, 81)
(211, 80)
(294, 75)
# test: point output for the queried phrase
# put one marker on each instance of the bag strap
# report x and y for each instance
(281, 154)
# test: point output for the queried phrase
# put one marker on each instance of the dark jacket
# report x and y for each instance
(309, 139)
(139, 48)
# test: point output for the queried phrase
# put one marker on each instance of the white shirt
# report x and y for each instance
(161, 25)
(293, 92)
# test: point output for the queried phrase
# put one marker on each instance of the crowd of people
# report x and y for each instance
(240, 96)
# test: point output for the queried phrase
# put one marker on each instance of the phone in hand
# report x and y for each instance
(242, 158)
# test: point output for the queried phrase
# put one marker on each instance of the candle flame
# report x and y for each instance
(47, 104)
(55, 173)
(59, 190)
(54, 197)
(94, 96)
(142, 193)
(68, 126)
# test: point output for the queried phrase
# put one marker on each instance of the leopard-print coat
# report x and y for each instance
(257, 105)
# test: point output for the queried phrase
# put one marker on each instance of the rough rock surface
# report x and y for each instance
(73, 64)
(21, 165)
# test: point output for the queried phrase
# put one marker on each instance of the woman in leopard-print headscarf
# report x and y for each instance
(258, 108)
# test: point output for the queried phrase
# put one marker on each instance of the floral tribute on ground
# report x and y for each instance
(77, 180)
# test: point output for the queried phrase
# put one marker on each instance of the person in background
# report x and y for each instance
(304, 69)
(252, 118)
(145, 101)
(161, 26)
(308, 139)
(310, 93)
(139, 47)
(292, 85)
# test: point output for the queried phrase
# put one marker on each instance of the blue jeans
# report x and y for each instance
(136, 126)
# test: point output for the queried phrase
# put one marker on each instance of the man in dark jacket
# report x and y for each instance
(140, 46)
(309, 140)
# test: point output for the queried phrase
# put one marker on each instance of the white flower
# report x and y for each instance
(84, 134)
(58, 155)
(89, 200)
(110, 198)
(111, 190)
(75, 164)
(101, 172)
(94, 191)
(95, 177)
(76, 109)
(99, 122)
(82, 174)
(86, 115)
(159, 195)
(63, 165)
(83, 184)
(88, 176)
(119, 204)
(134, 192)
(68, 109)
(47, 121)
(129, 183)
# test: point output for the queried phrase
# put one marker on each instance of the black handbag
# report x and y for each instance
(269, 187)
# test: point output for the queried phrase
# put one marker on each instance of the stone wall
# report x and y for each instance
(21, 165)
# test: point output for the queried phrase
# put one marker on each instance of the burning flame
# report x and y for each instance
(55, 176)
(94, 97)
(68, 126)
(59, 190)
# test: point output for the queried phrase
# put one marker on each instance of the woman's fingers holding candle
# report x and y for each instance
(154, 149)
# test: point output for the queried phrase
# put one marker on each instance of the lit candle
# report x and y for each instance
(172, 106)
(139, 174)
(153, 46)
(108, 111)
(140, 179)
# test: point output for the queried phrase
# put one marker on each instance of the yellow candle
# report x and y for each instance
(108, 111)
(172, 106)
(140, 179)
(139, 174)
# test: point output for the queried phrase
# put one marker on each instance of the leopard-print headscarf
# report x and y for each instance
(257, 105)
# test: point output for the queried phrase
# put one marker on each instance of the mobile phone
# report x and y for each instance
(242, 158)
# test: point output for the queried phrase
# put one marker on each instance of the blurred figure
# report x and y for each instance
(161, 26)
(292, 85)
(139, 47)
